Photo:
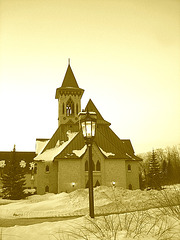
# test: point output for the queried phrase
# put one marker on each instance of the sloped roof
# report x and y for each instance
(110, 149)
(92, 108)
(61, 146)
(50, 154)
(60, 135)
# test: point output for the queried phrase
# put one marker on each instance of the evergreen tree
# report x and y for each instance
(13, 178)
(154, 176)
(170, 173)
(164, 172)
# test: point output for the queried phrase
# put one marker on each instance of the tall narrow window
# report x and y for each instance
(93, 166)
(86, 165)
(77, 110)
(98, 166)
(129, 167)
(63, 108)
(47, 168)
(69, 107)
(130, 186)
(47, 189)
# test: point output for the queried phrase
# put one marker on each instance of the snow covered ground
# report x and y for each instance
(161, 221)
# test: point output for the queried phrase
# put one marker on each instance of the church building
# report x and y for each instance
(62, 161)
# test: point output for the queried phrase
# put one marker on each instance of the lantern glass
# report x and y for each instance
(83, 125)
(88, 124)
(93, 128)
(88, 129)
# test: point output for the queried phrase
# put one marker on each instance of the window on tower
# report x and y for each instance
(69, 107)
(63, 108)
(77, 109)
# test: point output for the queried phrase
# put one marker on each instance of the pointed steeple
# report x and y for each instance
(69, 84)
(69, 98)
(69, 79)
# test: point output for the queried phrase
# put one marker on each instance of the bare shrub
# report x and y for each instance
(168, 201)
(157, 223)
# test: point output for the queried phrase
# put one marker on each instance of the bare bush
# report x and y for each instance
(168, 201)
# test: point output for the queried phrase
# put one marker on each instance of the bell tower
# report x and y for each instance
(69, 98)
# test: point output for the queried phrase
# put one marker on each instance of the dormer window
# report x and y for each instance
(69, 107)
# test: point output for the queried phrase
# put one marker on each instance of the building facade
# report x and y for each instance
(62, 160)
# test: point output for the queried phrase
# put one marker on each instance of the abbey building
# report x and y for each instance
(62, 160)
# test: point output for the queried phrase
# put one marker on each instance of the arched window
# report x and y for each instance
(47, 189)
(130, 186)
(129, 167)
(98, 166)
(47, 168)
(77, 110)
(86, 165)
(93, 166)
(63, 108)
(97, 183)
(69, 107)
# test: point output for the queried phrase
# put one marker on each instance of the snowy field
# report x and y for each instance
(143, 215)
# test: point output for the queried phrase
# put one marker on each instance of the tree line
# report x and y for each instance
(160, 167)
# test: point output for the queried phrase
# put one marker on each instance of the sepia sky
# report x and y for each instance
(125, 54)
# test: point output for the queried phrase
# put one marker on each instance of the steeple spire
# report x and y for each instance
(69, 98)
(69, 78)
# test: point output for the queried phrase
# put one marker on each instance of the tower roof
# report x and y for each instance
(69, 84)
(69, 79)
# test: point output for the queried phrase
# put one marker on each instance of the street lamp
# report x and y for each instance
(88, 125)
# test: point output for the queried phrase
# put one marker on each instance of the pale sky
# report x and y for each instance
(125, 54)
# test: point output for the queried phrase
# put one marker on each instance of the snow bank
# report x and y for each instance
(85, 228)
(106, 200)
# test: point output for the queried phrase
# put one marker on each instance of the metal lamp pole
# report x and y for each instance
(91, 196)
(88, 125)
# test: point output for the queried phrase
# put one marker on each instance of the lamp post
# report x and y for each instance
(88, 125)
